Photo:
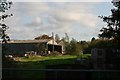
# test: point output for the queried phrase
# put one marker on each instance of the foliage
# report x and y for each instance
(4, 6)
(74, 47)
(44, 36)
(55, 53)
(41, 48)
(65, 44)
(66, 38)
(99, 43)
(83, 44)
(71, 47)
(112, 31)
(57, 38)
(93, 39)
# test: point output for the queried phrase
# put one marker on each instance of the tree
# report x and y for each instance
(112, 31)
(66, 37)
(99, 43)
(93, 39)
(74, 47)
(57, 38)
(66, 43)
(41, 47)
(44, 36)
(4, 6)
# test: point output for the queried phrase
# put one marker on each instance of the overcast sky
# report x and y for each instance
(79, 19)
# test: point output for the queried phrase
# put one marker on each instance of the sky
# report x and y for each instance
(79, 19)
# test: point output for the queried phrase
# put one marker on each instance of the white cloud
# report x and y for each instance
(34, 23)
(49, 17)
(74, 12)
(29, 8)
(61, 0)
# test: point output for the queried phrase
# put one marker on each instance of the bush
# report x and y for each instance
(55, 53)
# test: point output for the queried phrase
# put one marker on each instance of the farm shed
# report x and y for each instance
(20, 47)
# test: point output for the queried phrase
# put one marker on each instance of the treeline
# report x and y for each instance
(109, 36)
(74, 47)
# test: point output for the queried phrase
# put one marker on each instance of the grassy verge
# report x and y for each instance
(42, 58)
(40, 62)
(84, 56)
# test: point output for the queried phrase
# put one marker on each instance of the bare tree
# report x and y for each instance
(57, 38)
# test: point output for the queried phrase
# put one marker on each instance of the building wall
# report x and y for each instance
(22, 48)
(18, 48)
(57, 48)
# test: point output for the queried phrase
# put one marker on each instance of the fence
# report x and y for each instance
(60, 74)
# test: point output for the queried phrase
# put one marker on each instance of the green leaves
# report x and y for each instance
(112, 31)
(4, 6)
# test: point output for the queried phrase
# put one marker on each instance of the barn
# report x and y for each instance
(20, 47)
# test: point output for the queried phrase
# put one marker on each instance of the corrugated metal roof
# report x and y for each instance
(29, 41)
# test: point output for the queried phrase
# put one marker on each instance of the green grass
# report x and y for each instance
(85, 56)
(40, 62)
(43, 61)
(43, 58)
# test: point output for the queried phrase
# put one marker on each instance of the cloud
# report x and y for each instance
(72, 13)
(29, 8)
(32, 18)
(36, 22)
(69, 14)
(61, 0)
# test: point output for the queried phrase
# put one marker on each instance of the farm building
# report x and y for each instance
(20, 47)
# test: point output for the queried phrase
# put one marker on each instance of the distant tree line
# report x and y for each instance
(74, 47)
(109, 36)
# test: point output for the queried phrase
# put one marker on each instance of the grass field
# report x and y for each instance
(43, 58)
(40, 62)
